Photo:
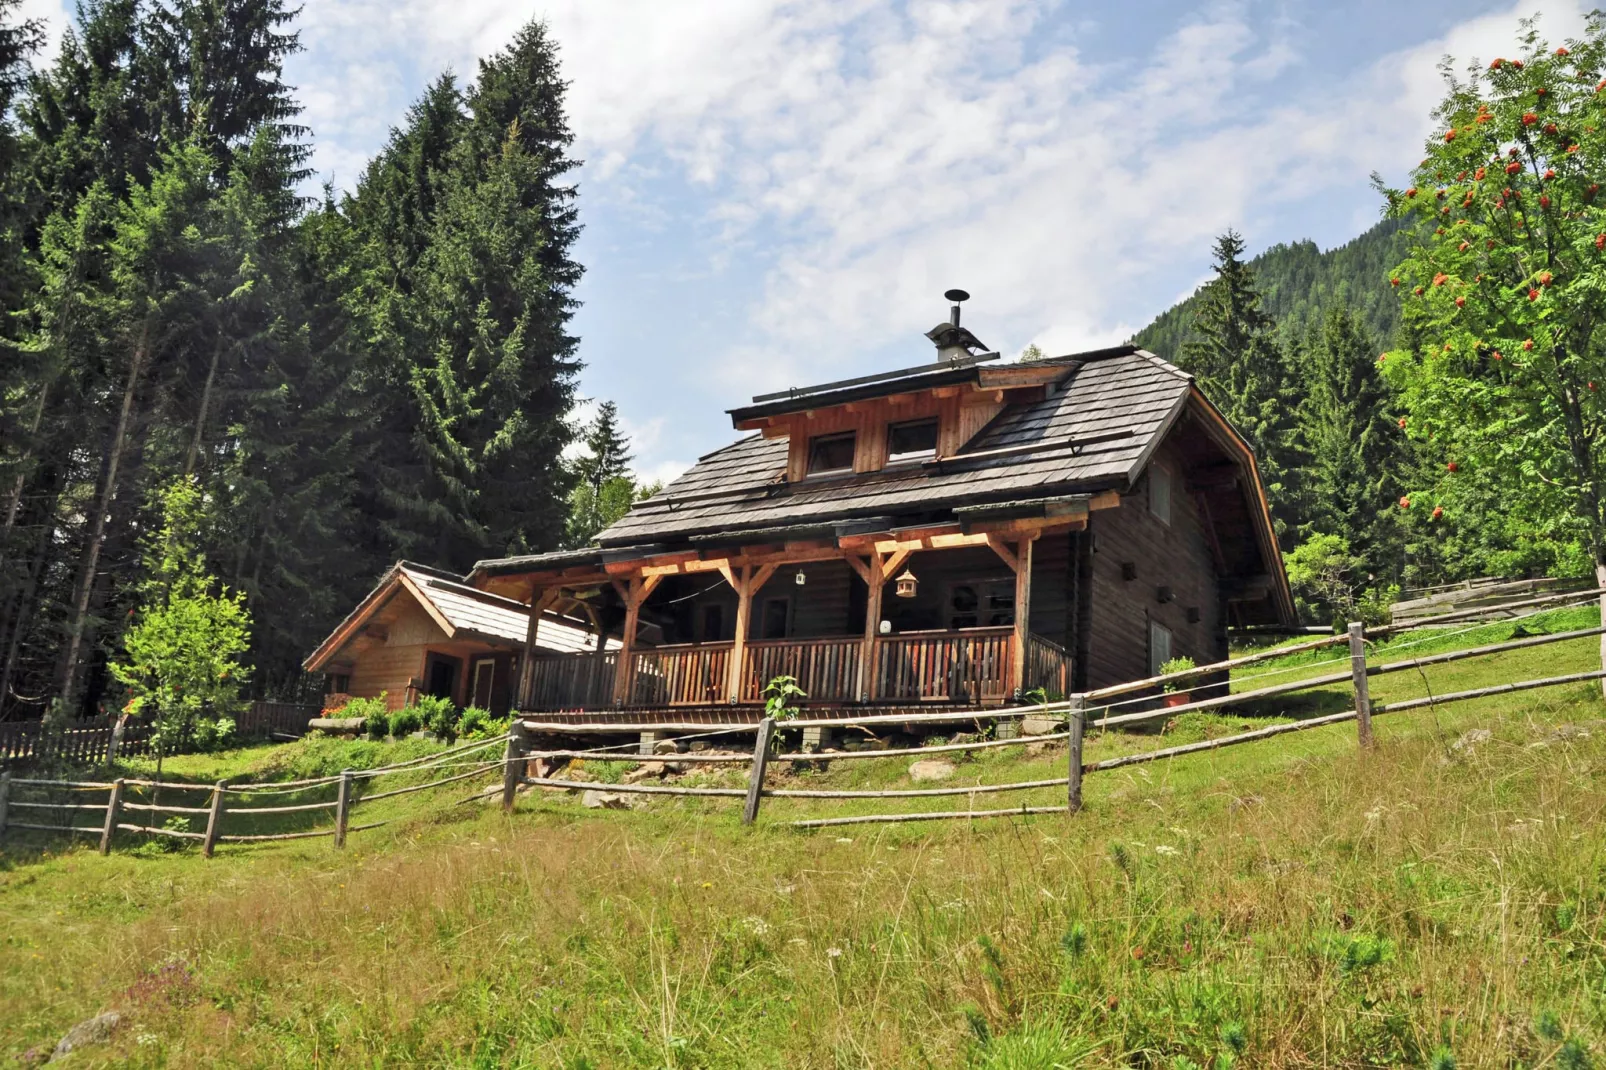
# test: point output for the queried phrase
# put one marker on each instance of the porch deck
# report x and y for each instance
(971, 667)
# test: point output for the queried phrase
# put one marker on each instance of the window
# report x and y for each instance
(1160, 493)
(339, 683)
(982, 604)
(1159, 646)
(912, 441)
(484, 680)
(832, 453)
(772, 623)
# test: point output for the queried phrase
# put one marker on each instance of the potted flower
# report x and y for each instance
(1173, 696)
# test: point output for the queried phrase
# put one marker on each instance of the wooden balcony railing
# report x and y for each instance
(975, 665)
(690, 675)
(965, 666)
(828, 669)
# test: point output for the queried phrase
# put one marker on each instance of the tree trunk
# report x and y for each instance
(97, 531)
(206, 402)
(1600, 581)
(18, 622)
(15, 502)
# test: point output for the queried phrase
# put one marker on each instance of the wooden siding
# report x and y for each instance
(1175, 555)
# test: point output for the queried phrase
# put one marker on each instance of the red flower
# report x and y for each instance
(1478, 277)
(1491, 243)
(1440, 279)
(1550, 128)
(1418, 291)
(1451, 467)
(1533, 295)
(1411, 192)
(1600, 241)
(1439, 194)
(1517, 63)
(1512, 151)
(1591, 386)
(1437, 512)
(1482, 117)
(1405, 503)
(1541, 91)
(1496, 354)
(1449, 135)
(1460, 302)
(1495, 66)
(1527, 343)
(1529, 118)
(1590, 192)
(1545, 277)
(1513, 167)
(1500, 202)
(1550, 173)
(1462, 247)
(1461, 177)
(1544, 200)
(1383, 359)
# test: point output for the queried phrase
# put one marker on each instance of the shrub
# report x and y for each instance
(471, 724)
(1175, 665)
(405, 722)
(375, 714)
(438, 715)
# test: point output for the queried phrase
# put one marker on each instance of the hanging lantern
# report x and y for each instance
(908, 586)
(801, 579)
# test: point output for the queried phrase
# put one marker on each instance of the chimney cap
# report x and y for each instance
(956, 296)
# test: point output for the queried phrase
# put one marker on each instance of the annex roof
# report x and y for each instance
(462, 612)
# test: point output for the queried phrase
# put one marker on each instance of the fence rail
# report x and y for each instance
(447, 766)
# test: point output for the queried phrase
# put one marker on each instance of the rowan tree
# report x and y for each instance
(1505, 288)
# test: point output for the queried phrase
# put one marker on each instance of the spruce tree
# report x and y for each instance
(604, 489)
(1236, 358)
(1356, 447)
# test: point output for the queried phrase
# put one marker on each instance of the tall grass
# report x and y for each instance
(1295, 903)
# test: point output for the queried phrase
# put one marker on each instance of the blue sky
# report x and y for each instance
(777, 193)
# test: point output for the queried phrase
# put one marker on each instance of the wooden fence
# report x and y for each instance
(99, 740)
(1093, 709)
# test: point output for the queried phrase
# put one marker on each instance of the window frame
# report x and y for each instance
(1161, 485)
(1155, 660)
(817, 441)
(918, 455)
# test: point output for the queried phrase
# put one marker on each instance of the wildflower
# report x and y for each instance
(1533, 295)
(1529, 118)
(1478, 175)
(834, 952)
(1513, 167)
(1402, 423)
(1405, 503)
(1561, 51)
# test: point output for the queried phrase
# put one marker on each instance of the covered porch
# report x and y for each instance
(903, 618)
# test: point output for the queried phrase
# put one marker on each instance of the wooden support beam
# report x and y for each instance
(541, 599)
(1023, 610)
(875, 579)
(634, 592)
(744, 615)
(1001, 548)
(1105, 499)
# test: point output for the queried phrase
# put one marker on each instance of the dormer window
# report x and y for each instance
(913, 440)
(832, 453)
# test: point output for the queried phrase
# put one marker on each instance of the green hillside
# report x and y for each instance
(1299, 282)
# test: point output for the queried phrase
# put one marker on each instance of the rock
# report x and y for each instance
(1564, 733)
(96, 1030)
(1039, 726)
(700, 745)
(930, 769)
(1037, 750)
(667, 746)
(603, 800)
(645, 771)
(1472, 737)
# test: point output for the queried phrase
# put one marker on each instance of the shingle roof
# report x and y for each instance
(1093, 431)
(469, 612)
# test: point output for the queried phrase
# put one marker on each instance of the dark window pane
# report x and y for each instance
(831, 453)
(713, 623)
(918, 438)
(774, 623)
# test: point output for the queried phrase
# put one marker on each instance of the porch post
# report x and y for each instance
(744, 618)
(875, 580)
(602, 651)
(1023, 608)
(634, 592)
(540, 599)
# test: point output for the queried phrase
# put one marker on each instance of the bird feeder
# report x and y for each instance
(907, 585)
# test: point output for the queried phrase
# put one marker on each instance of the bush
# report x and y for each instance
(375, 713)
(473, 721)
(405, 722)
(439, 716)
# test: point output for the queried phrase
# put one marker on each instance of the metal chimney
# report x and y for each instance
(956, 296)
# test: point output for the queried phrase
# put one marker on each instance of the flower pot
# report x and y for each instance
(1176, 698)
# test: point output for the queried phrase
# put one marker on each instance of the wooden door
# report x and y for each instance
(483, 680)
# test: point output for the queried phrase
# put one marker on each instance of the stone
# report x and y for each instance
(700, 745)
(1564, 733)
(668, 746)
(930, 769)
(1472, 737)
(816, 739)
(603, 800)
(96, 1030)
(1007, 728)
(1039, 726)
(645, 771)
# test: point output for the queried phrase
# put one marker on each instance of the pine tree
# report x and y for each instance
(604, 488)
(1236, 358)
(1357, 449)
(607, 453)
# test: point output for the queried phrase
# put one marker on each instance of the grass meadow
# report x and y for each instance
(1289, 903)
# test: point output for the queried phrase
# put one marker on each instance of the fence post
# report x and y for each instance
(1074, 724)
(5, 800)
(1363, 696)
(342, 807)
(761, 761)
(116, 744)
(512, 775)
(114, 806)
(214, 820)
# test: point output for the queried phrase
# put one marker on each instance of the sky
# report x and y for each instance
(777, 193)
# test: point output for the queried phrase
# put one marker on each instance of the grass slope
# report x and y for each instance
(1286, 903)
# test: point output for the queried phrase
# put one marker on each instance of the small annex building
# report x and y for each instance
(422, 631)
(964, 531)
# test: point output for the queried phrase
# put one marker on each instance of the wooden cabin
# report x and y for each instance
(963, 531)
(422, 631)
